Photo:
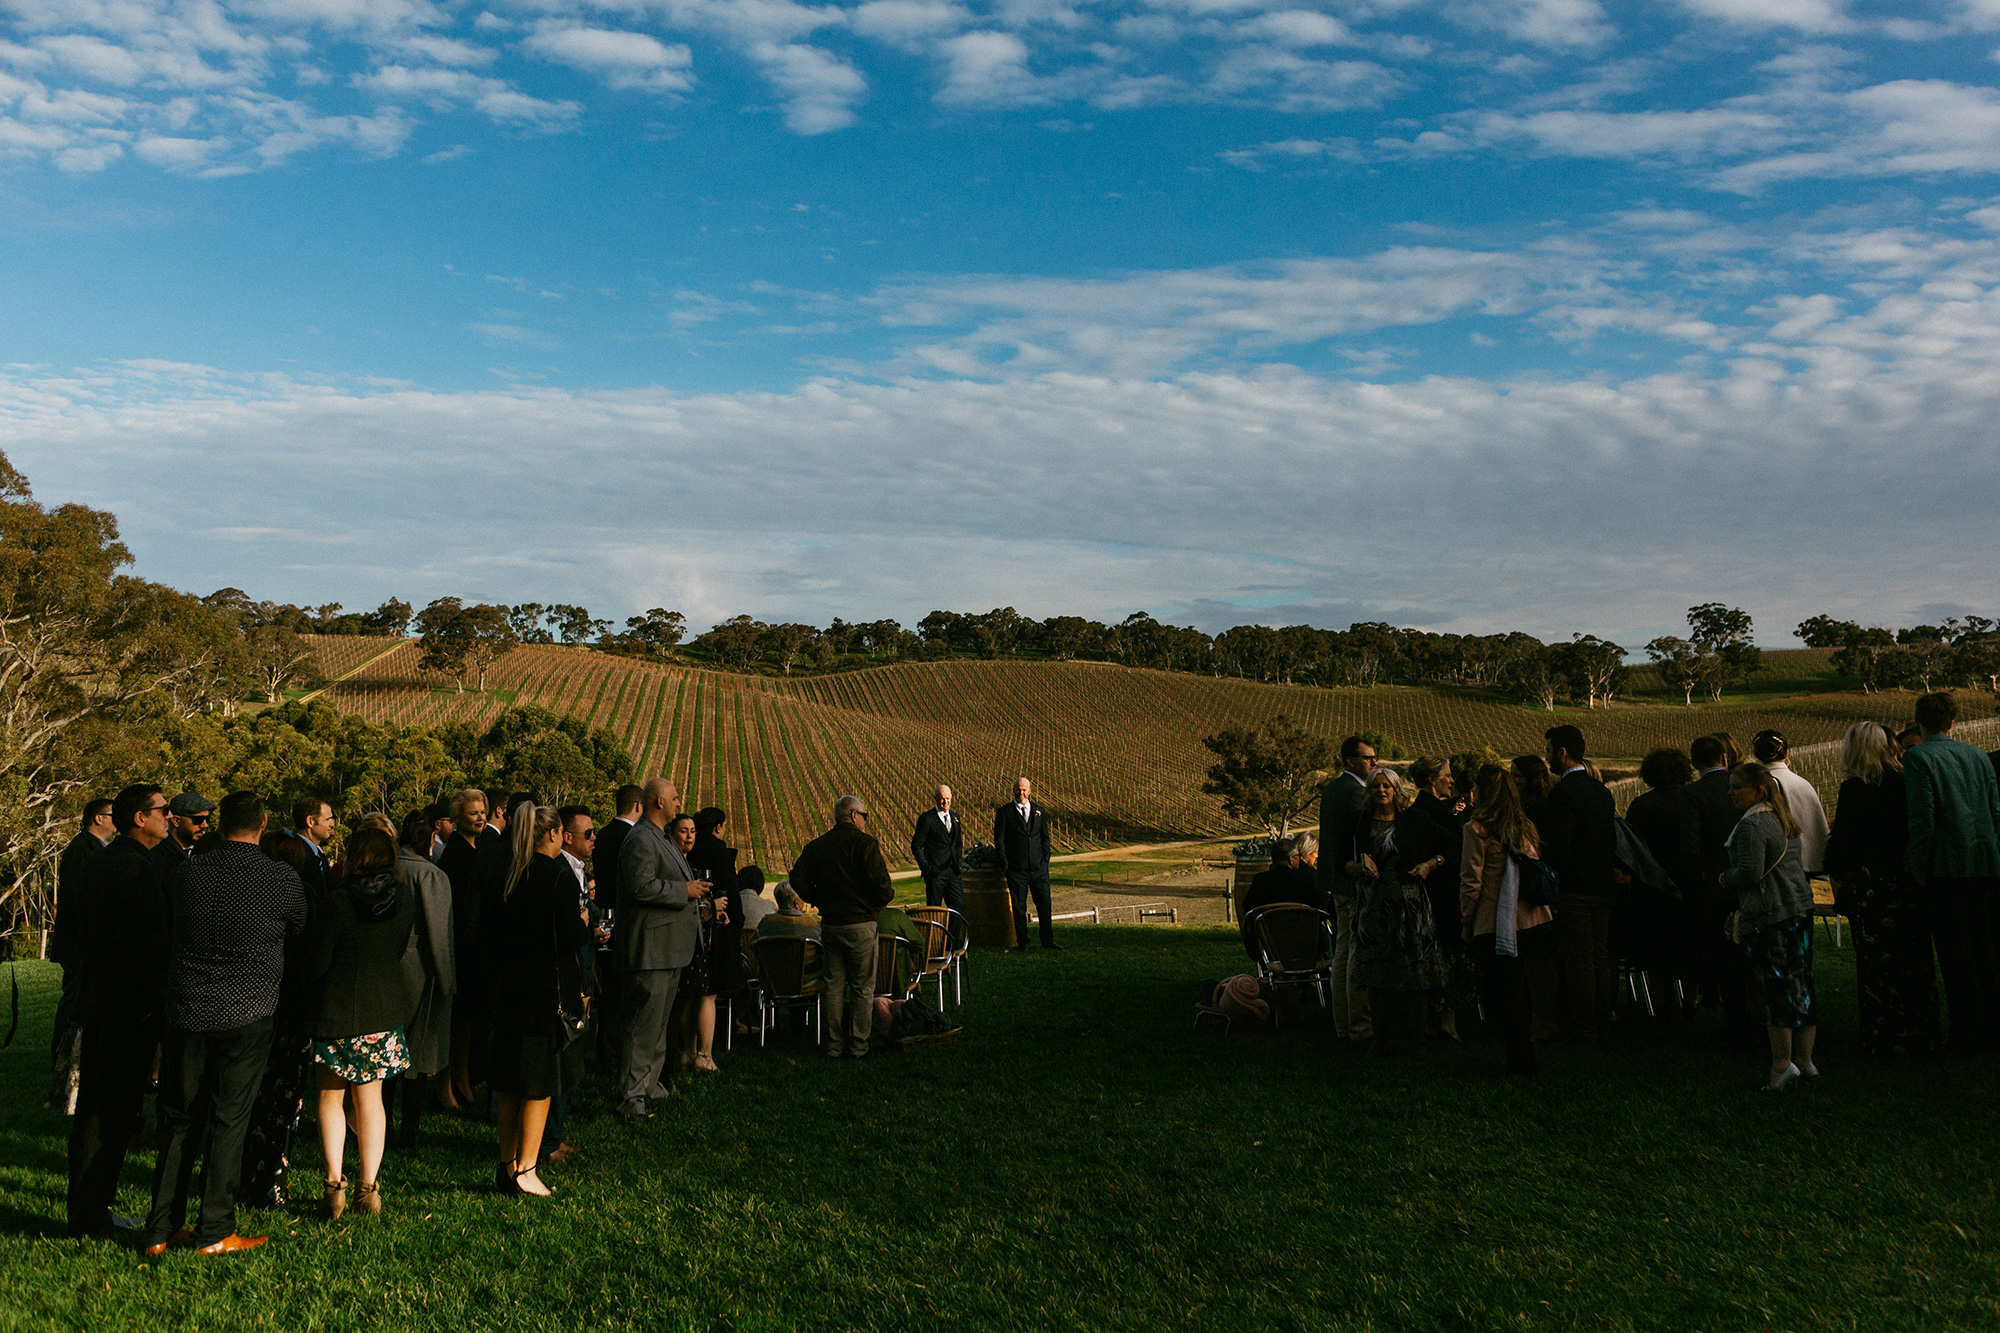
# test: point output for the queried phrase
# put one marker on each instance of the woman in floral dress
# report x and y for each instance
(1392, 852)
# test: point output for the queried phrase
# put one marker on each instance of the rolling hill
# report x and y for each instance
(1115, 752)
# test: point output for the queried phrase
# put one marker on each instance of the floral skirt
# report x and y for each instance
(365, 1059)
(1781, 973)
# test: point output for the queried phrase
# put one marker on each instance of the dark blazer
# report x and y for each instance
(843, 874)
(1656, 816)
(71, 870)
(937, 852)
(604, 860)
(657, 925)
(1435, 809)
(1418, 839)
(1340, 800)
(315, 874)
(1871, 829)
(1023, 846)
(1708, 817)
(126, 937)
(371, 973)
(1580, 835)
(538, 936)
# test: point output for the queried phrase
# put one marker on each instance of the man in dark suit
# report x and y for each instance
(629, 800)
(1580, 841)
(938, 848)
(653, 937)
(1707, 817)
(122, 944)
(71, 871)
(313, 824)
(1341, 801)
(1021, 836)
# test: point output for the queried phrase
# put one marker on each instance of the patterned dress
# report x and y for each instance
(1397, 941)
(1895, 973)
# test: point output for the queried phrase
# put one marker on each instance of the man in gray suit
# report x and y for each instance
(1340, 801)
(653, 938)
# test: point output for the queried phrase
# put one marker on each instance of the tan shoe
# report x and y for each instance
(368, 1198)
(334, 1201)
(233, 1244)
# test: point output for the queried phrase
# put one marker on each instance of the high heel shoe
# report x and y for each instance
(1809, 1070)
(1785, 1080)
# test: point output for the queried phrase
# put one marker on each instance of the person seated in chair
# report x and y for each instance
(791, 918)
(1287, 881)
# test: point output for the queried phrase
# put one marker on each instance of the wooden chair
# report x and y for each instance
(888, 949)
(788, 973)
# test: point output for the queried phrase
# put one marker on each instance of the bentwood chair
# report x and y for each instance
(889, 950)
(955, 938)
(937, 955)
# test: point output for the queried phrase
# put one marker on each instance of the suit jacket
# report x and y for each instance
(604, 860)
(1708, 817)
(657, 925)
(1580, 835)
(1340, 800)
(1023, 845)
(937, 852)
(1954, 810)
(71, 871)
(126, 939)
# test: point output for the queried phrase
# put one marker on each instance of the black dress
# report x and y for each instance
(536, 935)
(721, 972)
(1893, 968)
(1396, 936)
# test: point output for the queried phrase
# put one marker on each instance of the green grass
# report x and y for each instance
(1080, 1160)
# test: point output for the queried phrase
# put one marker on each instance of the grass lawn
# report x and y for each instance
(1080, 1160)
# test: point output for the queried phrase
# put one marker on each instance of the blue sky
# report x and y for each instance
(1552, 314)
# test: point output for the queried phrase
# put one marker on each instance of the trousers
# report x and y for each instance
(1021, 885)
(208, 1083)
(649, 1007)
(1583, 938)
(117, 1066)
(1962, 924)
(850, 965)
(945, 890)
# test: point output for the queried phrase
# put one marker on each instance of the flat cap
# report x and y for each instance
(190, 803)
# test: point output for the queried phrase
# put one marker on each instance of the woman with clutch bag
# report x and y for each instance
(537, 994)
(1773, 920)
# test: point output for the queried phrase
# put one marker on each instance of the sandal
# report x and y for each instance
(706, 1064)
(334, 1201)
(530, 1194)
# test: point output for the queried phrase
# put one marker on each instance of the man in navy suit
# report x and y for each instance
(1021, 836)
(938, 848)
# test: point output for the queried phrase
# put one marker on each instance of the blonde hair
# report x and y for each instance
(1406, 795)
(528, 825)
(1869, 752)
(1762, 781)
(462, 799)
(377, 820)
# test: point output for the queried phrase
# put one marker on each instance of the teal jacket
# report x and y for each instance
(1954, 811)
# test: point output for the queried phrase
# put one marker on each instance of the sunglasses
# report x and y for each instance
(195, 819)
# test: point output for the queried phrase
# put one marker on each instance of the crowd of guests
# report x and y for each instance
(1522, 890)
(239, 972)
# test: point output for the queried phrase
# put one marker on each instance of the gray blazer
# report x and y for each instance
(657, 925)
(428, 1033)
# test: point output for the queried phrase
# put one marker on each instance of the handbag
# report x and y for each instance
(569, 1026)
(1540, 885)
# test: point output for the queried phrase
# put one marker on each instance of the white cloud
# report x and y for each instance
(443, 88)
(1814, 16)
(621, 59)
(820, 90)
(909, 24)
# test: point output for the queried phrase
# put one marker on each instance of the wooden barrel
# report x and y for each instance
(989, 913)
(1246, 870)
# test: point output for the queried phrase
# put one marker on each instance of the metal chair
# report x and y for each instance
(955, 936)
(1294, 948)
(937, 955)
(788, 973)
(887, 950)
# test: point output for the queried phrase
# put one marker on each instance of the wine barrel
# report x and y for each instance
(989, 913)
(1246, 870)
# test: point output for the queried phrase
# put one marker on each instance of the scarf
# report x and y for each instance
(1505, 944)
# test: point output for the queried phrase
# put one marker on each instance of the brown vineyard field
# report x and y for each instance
(1115, 753)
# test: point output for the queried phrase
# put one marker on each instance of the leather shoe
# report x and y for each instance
(233, 1244)
(178, 1240)
(1053, 945)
